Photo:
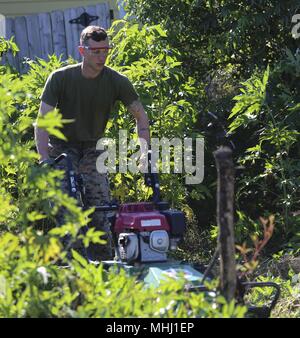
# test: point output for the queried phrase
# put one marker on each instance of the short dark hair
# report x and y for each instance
(95, 33)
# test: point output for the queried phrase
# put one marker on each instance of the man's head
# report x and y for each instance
(95, 33)
(94, 47)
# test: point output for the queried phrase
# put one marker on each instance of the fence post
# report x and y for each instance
(225, 199)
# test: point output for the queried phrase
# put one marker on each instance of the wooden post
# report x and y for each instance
(225, 198)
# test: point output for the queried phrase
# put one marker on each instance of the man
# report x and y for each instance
(87, 92)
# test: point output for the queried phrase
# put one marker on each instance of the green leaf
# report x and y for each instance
(52, 122)
(160, 31)
(77, 257)
(35, 216)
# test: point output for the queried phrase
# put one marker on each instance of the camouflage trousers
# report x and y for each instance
(83, 156)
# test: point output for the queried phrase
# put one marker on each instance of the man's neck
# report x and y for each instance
(89, 72)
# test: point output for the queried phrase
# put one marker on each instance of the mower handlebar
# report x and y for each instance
(59, 158)
(51, 162)
(106, 207)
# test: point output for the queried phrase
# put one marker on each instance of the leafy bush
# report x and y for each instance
(142, 54)
(267, 106)
(227, 48)
(32, 283)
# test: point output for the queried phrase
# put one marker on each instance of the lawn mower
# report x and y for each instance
(144, 233)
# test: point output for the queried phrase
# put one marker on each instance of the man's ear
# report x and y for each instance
(80, 49)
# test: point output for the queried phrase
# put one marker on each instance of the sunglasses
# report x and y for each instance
(97, 50)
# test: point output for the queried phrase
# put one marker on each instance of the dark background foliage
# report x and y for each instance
(223, 44)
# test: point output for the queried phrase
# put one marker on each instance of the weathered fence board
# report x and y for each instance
(46, 40)
(78, 29)
(10, 31)
(22, 41)
(102, 11)
(58, 34)
(33, 33)
(93, 11)
(71, 32)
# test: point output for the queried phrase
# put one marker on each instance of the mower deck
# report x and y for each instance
(156, 272)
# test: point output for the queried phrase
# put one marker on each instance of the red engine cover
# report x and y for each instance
(140, 217)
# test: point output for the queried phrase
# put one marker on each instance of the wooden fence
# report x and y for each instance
(44, 34)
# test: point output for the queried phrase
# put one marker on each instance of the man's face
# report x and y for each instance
(95, 57)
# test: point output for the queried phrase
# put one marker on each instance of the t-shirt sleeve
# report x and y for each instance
(52, 88)
(127, 93)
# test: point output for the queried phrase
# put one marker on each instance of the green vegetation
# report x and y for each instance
(245, 63)
(32, 284)
(187, 59)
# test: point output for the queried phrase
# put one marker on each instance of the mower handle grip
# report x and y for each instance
(106, 207)
(51, 162)
(59, 158)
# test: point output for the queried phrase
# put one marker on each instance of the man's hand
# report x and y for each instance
(47, 162)
(41, 136)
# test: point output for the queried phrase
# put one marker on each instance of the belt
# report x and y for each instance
(74, 144)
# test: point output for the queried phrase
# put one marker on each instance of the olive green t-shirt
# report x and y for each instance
(87, 101)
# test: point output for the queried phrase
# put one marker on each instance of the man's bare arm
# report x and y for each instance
(41, 136)
(142, 122)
